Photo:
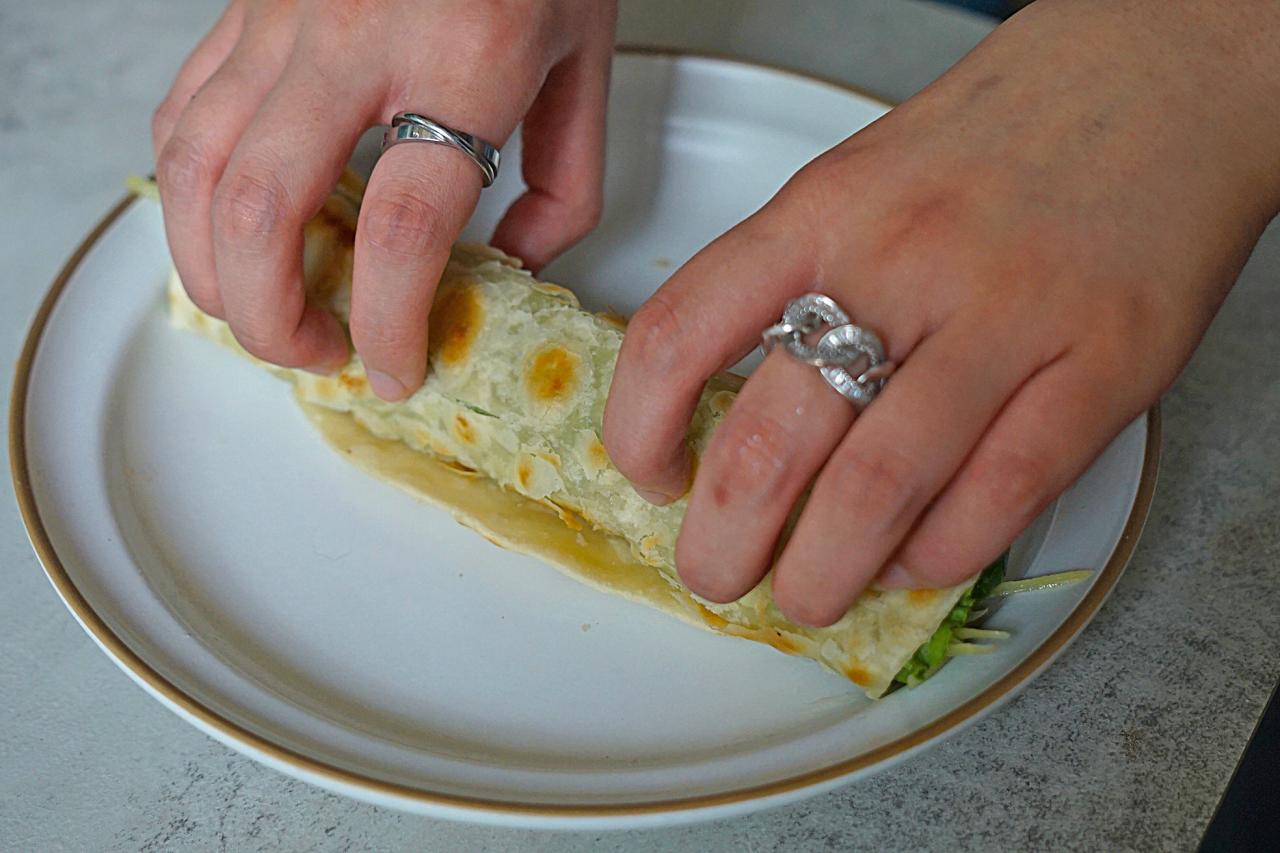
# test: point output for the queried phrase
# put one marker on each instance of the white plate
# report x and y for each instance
(332, 627)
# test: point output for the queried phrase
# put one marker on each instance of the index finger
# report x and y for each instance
(704, 319)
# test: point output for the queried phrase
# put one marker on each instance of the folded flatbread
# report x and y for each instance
(505, 434)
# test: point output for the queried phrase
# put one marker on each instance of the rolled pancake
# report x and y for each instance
(505, 434)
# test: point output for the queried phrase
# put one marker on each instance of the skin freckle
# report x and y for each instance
(987, 83)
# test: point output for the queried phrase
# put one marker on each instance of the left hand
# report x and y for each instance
(262, 119)
(1040, 238)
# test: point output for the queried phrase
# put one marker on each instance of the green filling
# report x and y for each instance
(931, 655)
(476, 409)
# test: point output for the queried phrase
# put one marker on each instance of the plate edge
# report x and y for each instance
(234, 733)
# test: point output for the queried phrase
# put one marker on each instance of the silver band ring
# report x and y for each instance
(850, 358)
(412, 127)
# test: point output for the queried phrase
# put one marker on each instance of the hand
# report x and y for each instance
(264, 115)
(1040, 238)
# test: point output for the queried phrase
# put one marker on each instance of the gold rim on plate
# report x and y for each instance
(235, 733)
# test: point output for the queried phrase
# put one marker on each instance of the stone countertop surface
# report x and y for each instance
(1127, 742)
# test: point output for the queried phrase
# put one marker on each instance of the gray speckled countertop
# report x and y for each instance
(1126, 743)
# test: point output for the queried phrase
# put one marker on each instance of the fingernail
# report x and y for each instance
(657, 498)
(896, 576)
(386, 386)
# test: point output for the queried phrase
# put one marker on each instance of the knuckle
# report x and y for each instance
(813, 176)
(655, 336)
(494, 24)
(251, 204)
(1136, 316)
(884, 486)
(402, 224)
(1013, 483)
(508, 33)
(350, 15)
(383, 336)
(185, 167)
(583, 214)
(752, 456)
(337, 32)
(163, 118)
(824, 177)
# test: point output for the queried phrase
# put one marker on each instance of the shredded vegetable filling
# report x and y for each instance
(955, 637)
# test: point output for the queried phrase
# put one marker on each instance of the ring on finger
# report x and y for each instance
(850, 358)
(415, 127)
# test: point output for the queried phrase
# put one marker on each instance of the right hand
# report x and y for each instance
(263, 117)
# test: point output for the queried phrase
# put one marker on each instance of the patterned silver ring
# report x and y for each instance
(850, 358)
(412, 127)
